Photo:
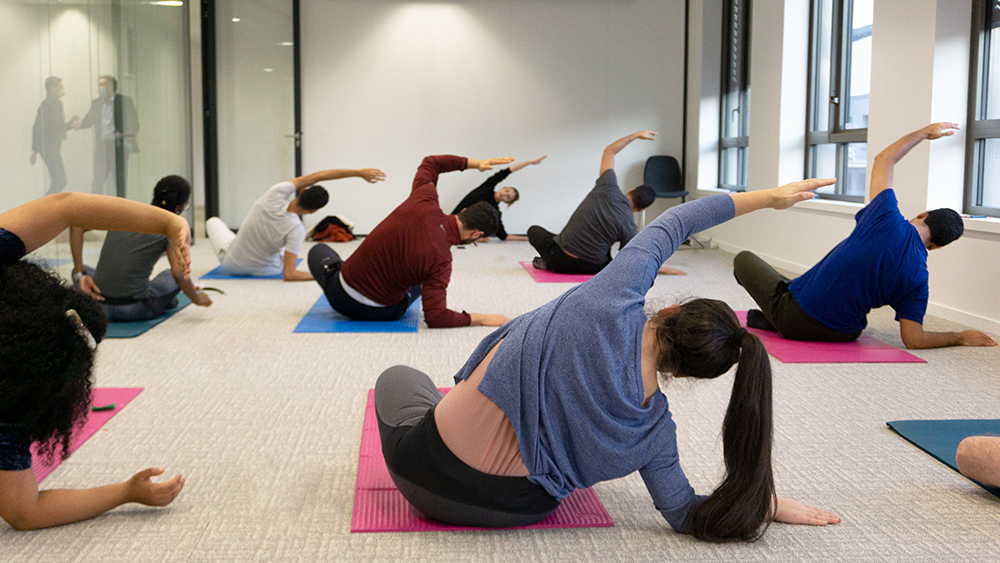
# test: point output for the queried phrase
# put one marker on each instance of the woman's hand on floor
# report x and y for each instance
(794, 512)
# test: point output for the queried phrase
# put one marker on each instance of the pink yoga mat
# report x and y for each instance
(545, 276)
(379, 507)
(866, 349)
(95, 420)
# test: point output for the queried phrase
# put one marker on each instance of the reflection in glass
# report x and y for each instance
(824, 165)
(821, 92)
(115, 122)
(988, 169)
(856, 164)
(49, 132)
(859, 71)
(993, 61)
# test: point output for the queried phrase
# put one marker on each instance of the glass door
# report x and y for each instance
(255, 79)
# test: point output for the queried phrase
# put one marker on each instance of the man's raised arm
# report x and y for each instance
(370, 175)
(608, 159)
(887, 159)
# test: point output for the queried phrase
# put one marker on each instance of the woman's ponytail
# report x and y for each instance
(741, 507)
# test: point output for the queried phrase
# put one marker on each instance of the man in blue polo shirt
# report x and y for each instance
(882, 262)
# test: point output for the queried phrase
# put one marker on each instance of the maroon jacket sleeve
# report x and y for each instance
(435, 297)
(432, 166)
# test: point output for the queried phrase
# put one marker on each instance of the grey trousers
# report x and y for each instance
(430, 476)
(770, 290)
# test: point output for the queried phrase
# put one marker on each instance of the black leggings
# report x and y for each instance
(556, 259)
(431, 477)
(770, 290)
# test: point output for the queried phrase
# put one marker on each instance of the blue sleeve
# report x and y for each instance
(672, 495)
(15, 448)
(634, 268)
(884, 202)
(913, 305)
(11, 247)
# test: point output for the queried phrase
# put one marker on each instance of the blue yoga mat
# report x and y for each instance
(219, 274)
(133, 329)
(940, 438)
(322, 318)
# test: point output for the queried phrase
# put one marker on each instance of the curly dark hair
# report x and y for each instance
(45, 364)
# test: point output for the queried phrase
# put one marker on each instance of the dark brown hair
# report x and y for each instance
(703, 339)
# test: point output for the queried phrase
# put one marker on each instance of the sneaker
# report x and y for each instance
(539, 264)
(756, 319)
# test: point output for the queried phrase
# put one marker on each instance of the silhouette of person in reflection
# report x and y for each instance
(116, 124)
(49, 132)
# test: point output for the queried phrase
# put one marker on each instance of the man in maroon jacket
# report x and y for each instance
(409, 254)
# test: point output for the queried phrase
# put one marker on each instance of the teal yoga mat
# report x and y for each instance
(133, 329)
(219, 274)
(940, 438)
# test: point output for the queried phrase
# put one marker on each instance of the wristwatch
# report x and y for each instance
(77, 276)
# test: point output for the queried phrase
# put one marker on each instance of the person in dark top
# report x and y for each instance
(603, 218)
(409, 255)
(116, 125)
(485, 192)
(48, 336)
(127, 260)
(49, 132)
(882, 262)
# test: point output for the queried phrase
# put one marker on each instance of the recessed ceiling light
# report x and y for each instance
(236, 19)
(286, 44)
(268, 70)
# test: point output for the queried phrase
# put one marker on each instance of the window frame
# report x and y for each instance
(979, 129)
(840, 60)
(740, 47)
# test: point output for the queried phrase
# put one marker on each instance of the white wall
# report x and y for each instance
(386, 83)
(919, 75)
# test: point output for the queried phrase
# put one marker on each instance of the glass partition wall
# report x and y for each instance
(96, 99)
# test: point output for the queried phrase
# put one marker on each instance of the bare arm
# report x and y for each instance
(187, 286)
(289, 273)
(608, 158)
(515, 238)
(370, 175)
(86, 283)
(520, 165)
(486, 164)
(887, 159)
(25, 508)
(39, 221)
(916, 338)
(486, 319)
(781, 197)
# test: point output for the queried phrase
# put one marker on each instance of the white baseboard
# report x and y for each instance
(971, 320)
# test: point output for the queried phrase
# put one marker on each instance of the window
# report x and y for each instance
(734, 123)
(982, 185)
(840, 45)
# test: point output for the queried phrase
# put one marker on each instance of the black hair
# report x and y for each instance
(313, 198)
(45, 363)
(480, 216)
(945, 224)
(51, 83)
(703, 339)
(517, 195)
(171, 192)
(643, 196)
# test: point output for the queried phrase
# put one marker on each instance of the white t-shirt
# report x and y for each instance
(268, 228)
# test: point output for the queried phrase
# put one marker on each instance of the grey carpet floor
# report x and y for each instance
(266, 425)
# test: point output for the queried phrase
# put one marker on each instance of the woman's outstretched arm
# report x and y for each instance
(39, 221)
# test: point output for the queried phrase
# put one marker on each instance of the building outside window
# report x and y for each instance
(982, 193)
(840, 45)
(734, 137)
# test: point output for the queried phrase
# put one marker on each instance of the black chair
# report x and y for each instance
(663, 174)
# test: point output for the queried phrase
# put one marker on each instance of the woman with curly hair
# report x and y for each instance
(568, 395)
(48, 335)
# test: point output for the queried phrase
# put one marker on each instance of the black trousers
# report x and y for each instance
(325, 264)
(431, 477)
(556, 258)
(770, 290)
(57, 172)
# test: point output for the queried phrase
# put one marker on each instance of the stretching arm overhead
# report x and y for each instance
(515, 167)
(885, 161)
(41, 220)
(608, 158)
(370, 175)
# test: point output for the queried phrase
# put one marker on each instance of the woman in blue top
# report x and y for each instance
(567, 395)
(48, 335)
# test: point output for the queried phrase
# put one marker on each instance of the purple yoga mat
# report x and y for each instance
(545, 276)
(120, 396)
(379, 507)
(866, 349)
